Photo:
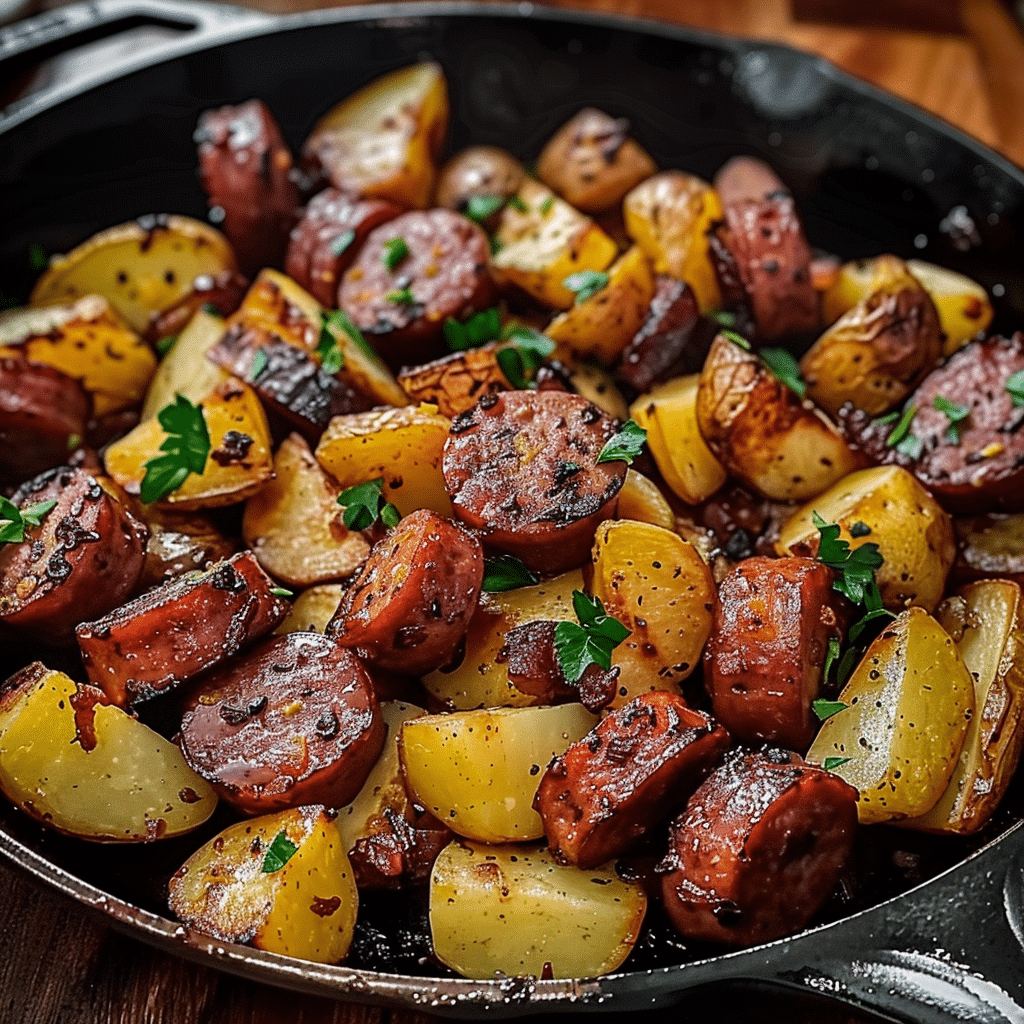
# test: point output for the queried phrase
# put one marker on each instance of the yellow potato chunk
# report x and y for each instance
(516, 910)
(312, 610)
(236, 887)
(89, 769)
(143, 266)
(641, 499)
(478, 771)
(404, 446)
(909, 703)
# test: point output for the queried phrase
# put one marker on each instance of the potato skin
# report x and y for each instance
(457, 381)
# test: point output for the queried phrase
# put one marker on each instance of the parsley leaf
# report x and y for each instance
(834, 762)
(476, 331)
(545, 207)
(855, 570)
(332, 359)
(185, 449)
(365, 504)
(259, 364)
(523, 356)
(736, 339)
(165, 344)
(591, 641)
(827, 708)
(518, 204)
(785, 367)
(342, 242)
(911, 446)
(585, 283)
(830, 657)
(956, 414)
(402, 297)
(282, 592)
(280, 851)
(625, 445)
(723, 317)
(479, 208)
(902, 429)
(396, 252)
(1015, 385)
(13, 520)
(339, 320)
(506, 572)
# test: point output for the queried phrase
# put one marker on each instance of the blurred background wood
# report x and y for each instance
(62, 965)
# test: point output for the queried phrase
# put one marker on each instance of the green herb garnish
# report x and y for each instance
(785, 367)
(259, 364)
(591, 641)
(830, 657)
(396, 252)
(402, 297)
(13, 520)
(342, 242)
(210, 310)
(185, 449)
(477, 330)
(585, 283)
(332, 359)
(506, 572)
(280, 851)
(523, 356)
(625, 445)
(827, 708)
(723, 317)
(736, 339)
(165, 344)
(74, 441)
(911, 446)
(365, 504)
(1015, 386)
(282, 592)
(855, 570)
(339, 320)
(518, 205)
(480, 208)
(545, 207)
(956, 414)
(902, 429)
(834, 762)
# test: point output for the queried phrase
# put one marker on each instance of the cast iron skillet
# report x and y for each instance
(870, 174)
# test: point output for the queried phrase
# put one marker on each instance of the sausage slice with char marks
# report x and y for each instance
(758, 849)
(294, 721)
(630, 772)
(521, 467)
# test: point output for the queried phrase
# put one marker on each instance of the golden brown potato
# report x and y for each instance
(876, 353)
(479, 171)
(641, 499)
(597, 385)
(383, 141)
(178, 541)
(669, 216)
(914, 535)
(456, 382)
(294, 524)
(909, 703)
(591, 161)
(762, 433)
(312, 610)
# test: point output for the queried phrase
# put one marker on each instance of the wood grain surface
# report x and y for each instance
(62, 964)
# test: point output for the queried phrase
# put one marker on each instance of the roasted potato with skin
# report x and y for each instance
(541, 240)
(234, 889)
(876, 353)
(909, 703)
(294, 524)
(456, 382)
(515, 909)
(591, 161)
(641, 499)
(77, 764)
(669, 216)
(669, 415)
(312, 610)
(597, 385)
(986, 620)
(384, 139)
(178, 542)
(990, 545)
(477, 771)
(142, 267)
(762, 433)
(914, 535)
(601, 325)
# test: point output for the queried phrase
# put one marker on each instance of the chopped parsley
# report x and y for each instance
(185, 449)
(735, 338)
(365, 504)
(723, 317)
(279, 852)
(506, 572)
(590, 641)
(13, 520)
(342, 242)
(523, 355)
(832, 763)
(396, 252)
(1015, 386)
(480, 208)
(165, 344)
(282, 592)
(785, 367)
(517, 204)
(585, 284)
(259, 364)
(332, 359)
(830, 657)
(477, 330)
(956, 414)
(625, 445)
(339, 320)
(402, 297)
(855, 570)
(545, 207)
(827, 708)
(901, 431)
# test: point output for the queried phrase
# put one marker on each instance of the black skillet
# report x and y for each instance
(871, 174)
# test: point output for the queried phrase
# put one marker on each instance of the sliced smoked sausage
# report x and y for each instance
(294, 721)
(82, 560)
(522, 467)
(629, 773)
(409, 606)
(758, 849)
(410, 276)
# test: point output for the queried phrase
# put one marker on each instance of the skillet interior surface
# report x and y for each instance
(869, 174)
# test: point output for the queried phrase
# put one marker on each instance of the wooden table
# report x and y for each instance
(62, 964)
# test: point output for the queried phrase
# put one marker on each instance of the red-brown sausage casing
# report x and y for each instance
(294, 721)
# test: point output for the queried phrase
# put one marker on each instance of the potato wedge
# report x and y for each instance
(404, 446)
(669, 415)
(913, 533)
(88, 769)
(658, 586)
(237, 466)
(641, 499)
(294, 524)
(479, 680)
(597, 385)
(986, 619)
(541, 240)
(669, 216)
(383, 140)
(312, 610)
(237, 889)
(909, 703)
(762, 433)
(516, 910)
(142, 267)
(455, 382)
(88, 340)
(478, 771)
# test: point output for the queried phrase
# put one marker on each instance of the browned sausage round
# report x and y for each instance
(757, 850)
(247, 172)
(480, 171)
(403, 306)
(521, 466)
(409, 606)
(764, 660)
(980, 470)
(294, 721)
(627, 775)
(81, 561)
(325, 242)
